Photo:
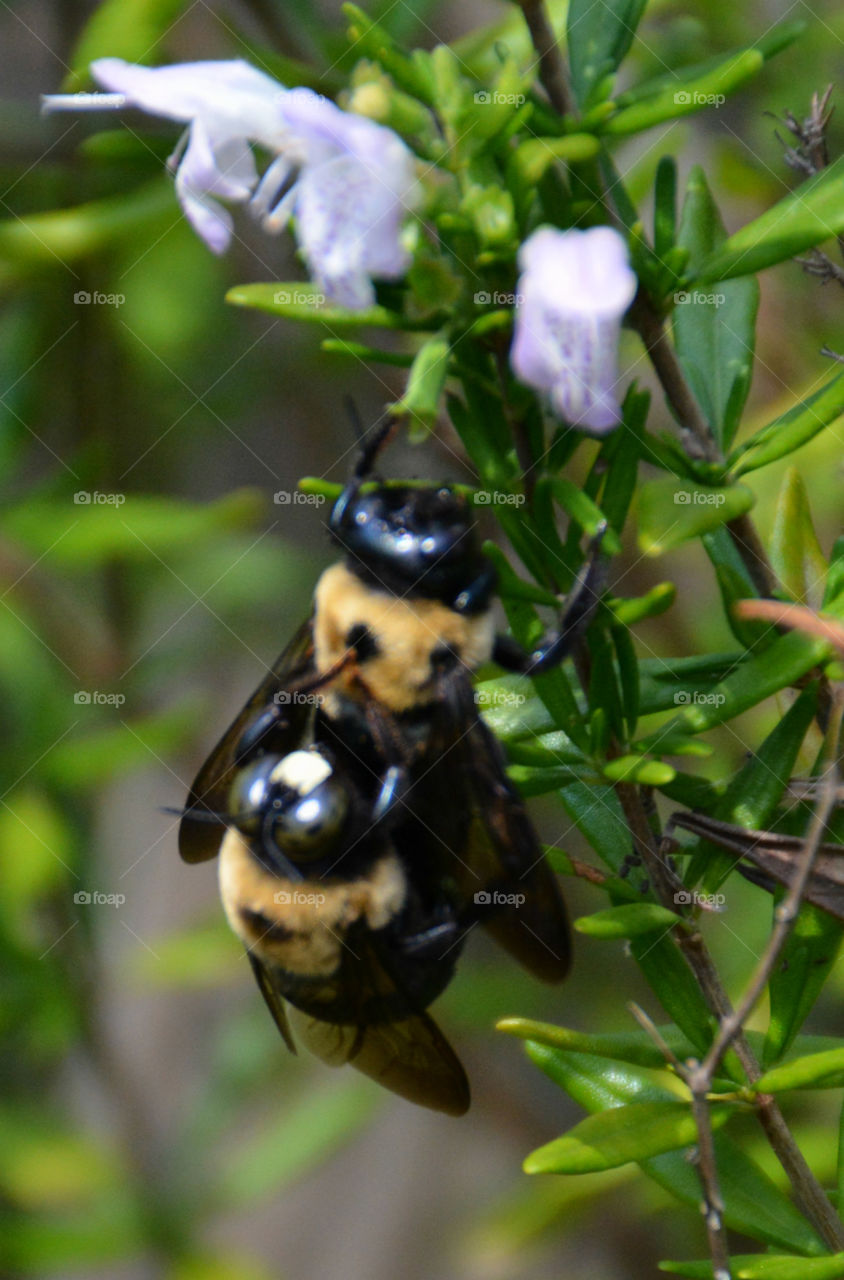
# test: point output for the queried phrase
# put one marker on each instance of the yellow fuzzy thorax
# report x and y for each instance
(316, 913)
(406, 631)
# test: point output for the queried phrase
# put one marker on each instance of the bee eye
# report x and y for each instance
(306, 827)
(250, 793)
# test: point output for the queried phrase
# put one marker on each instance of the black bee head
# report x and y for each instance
(291, 808)
(410, 540)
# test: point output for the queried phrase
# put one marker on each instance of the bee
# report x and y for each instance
(337, 927)
(381, 676)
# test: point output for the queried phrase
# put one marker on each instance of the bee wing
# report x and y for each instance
(198, 839)
(411, 1058)
(273, 999)
(502, 851)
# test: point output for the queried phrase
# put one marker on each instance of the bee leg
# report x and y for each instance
(476, 597)
(439, 938)
(581, 607)
(257, 736)
(394, 785)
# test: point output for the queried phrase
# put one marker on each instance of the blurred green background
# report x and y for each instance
(151, 1121)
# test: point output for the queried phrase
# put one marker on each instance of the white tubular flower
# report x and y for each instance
(353, 180)
(573, 291)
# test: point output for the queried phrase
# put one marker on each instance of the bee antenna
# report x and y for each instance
(372, 442)
(353, 414)
(197, 815)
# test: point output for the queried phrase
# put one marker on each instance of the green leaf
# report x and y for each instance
(714, 331)
(755, 1266)
(637, 608)
(635, 1047)
(411, 72)
(90, 528)
(795, 552)
(683, 97)
(809, 215)
(734, 584)
(532, 158)
(805, 963)
(584, 511)
(130, 29)
(815, 1071)
(754, 1204)
(666, 683)
(674, 985)
(32, 825)
(752, 797)
(70, 234)
(665, 205)
(107, 1231)
(492, 215)
(621, 452)
(87, 760)
(204, 1266)
(770, 1266)
(596, 812)
(671, 511)
(360, 351)
(421, 399)
(302, 300)
(788, 659)
(628, 676)
(203, 955)
(598, 37)
(776, 39)
(633, 768)
(295, 1142)
(622, 1134)
(791, 430)
(627, 922)
(48, 1167)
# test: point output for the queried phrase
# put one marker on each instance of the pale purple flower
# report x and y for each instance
(573, 291)
(346, 180)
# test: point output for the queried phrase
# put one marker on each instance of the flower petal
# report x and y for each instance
(234, 99)
(574, 289)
